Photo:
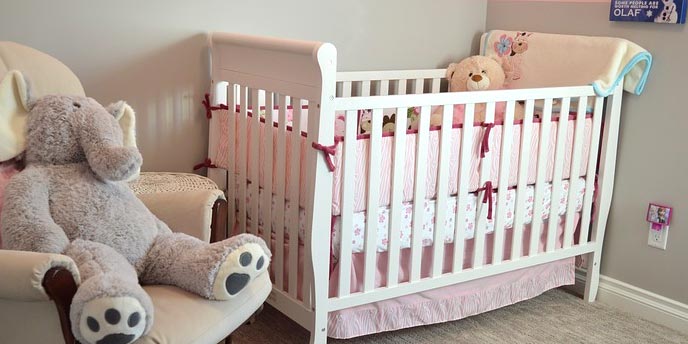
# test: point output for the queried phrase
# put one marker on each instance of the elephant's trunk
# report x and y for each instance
(101, 140)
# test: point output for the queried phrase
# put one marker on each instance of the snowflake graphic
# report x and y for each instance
(649, 13)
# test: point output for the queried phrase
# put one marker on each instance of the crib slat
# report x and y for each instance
(255, 161)
(504, 170)
(419, 191)
(436, 85)
(397, 198)
(574, 173)
(365, 88)
(481, 221)
(442, 191)
(401, 86)
(418, 85)
(463, 186)
(243, 147)
(293, 189)
(590, 173)
(384, 88)
(346, 89)
(559, 157)
(374, 157)
(541, 174)
(231, 157)
(280, 192)
(347, 210)
(521, 194)
(267, 168)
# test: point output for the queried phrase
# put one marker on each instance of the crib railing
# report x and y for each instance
(520, 257)
(382, 83)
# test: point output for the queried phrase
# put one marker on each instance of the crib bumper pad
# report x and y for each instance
(533, 59)
(474, 205)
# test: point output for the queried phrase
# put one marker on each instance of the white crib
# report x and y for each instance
(249, 72)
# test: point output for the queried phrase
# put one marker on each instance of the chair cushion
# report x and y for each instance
(46, 74)
(182, 317)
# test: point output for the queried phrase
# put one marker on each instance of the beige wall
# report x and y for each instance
(651, 164)
(152, 53)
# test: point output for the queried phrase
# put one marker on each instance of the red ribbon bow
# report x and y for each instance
(485, 145)
(487, 198)
(209, 109)
(329, 151)
(207, 163)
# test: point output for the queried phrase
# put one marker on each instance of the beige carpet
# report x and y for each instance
(554, 317)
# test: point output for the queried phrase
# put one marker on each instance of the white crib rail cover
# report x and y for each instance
(532, 59)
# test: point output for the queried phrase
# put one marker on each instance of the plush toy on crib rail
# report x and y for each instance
(72, 199)
(477, 73)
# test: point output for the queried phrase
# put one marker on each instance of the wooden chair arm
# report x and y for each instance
(60, 286)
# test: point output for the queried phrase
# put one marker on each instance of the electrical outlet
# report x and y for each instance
(658, 238)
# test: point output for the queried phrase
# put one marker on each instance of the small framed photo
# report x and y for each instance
(659, 214)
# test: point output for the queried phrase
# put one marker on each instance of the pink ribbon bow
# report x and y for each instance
(209, 109)
(329, 151)
(487, 198)
(485, 145)
(207, 163)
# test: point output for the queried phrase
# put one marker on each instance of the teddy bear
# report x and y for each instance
(477, 73)
(72, 199)
(474, 73)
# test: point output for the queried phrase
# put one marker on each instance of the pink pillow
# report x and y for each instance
(7, 170)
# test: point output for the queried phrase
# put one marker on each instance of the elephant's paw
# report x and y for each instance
(112, 320)
(240, 267)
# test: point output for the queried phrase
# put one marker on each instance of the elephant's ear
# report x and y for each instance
(126, 117)
(14, 111)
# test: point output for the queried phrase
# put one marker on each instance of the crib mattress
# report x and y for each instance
(429, 208)
(386, 167)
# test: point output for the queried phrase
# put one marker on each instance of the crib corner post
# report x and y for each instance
(319, 194)
(319, 335)
(606, 169)
(592, 277)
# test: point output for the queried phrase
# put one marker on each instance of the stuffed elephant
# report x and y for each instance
(72, 199)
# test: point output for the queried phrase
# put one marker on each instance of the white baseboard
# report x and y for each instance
(639, 302)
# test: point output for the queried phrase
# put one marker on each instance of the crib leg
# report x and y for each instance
(319, 329)
(592, 278)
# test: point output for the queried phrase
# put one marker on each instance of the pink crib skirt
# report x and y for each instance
(442, 304)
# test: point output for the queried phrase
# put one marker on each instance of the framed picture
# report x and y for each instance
(659, 214)
(651, 11)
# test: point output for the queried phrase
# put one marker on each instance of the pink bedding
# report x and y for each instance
(383, 217)
(495, 139)
(360, 179)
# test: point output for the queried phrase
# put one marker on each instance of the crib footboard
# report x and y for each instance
(284, 166)
(555, 235)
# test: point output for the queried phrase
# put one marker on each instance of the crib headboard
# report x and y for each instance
(286, 66)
